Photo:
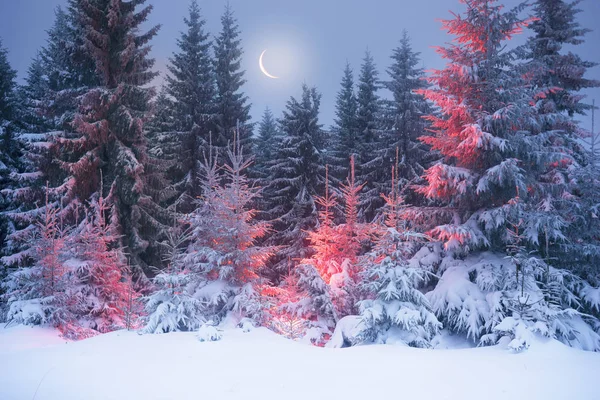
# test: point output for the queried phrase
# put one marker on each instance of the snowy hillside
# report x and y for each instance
(37, 364)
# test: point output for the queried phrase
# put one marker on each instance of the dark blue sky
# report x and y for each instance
(308, 41)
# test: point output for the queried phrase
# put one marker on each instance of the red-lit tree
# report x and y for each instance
(337, 247)
(39, 294)
(101, 295)
(495, 149)
(480, 131)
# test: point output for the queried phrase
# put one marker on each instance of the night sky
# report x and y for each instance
(308, 41)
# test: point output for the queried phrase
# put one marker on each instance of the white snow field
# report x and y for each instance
(36, 364)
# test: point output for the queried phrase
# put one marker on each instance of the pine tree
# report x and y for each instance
(559, 76)
(336, 248)
(265, 144)
(296, 176)
(39, 294)
(478, 174)
(56, 81)
(32, 96)
(395, 308)
(171, 307)
(345, 280)
(368, 114)
(346, 142)
(110, 143)
(101, 294)
(223, 256)
(69, 69)
(403, 119)
(163, 145)
(10, 151)
(560, 73)
(489, 181)
(191, 85)
(232, 109)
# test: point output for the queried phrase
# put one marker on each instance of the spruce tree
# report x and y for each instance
(296, 176)
(163, 146)
(232, 109)
(109, 152)
(346, 140)
(560, 72)
(69, 69)
(10, 148)
(223, 257)
(368, 114)
(559, 76)
(32, 97)
(56, 82)
(403, 119)
(265, 144)
(395, 308)
(490, 191)
(191, 85)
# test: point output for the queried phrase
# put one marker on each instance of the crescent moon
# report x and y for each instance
(262, 66)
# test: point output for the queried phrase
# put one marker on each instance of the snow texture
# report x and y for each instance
(118, 365)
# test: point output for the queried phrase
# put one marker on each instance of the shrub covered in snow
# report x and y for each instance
(486, 298)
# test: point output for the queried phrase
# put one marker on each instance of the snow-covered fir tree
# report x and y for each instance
(296, 176)
(403, 121)
(32, 97)
(76, 283)
(102, 289)
(584, 231)
(10, 148)
(368, 115)
(38, 294)
(171, 306)
(110, 143)
(265, 144)
(336, 249)
(232, 108)
(493, 147)
(559, 76)
(191, 84)
(69, 68)
(397, 310)
(55, 84)
(223, 257)
(346, 139)
(163, 146)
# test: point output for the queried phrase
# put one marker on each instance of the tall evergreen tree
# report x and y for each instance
(10, 149)
(32, 96)
(403, 120)
(559, 76)
(489, 189)
(163, 146)
(296, 176)
(559, 71)
(56, 81)
(368, 114)
(69, 69)
(265, 144)
(231, 103)
(346, 140)
(109, 152)
(191, 84)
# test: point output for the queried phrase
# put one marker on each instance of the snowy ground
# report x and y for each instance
(36, 364)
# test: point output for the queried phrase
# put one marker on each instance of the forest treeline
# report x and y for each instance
(462, 200)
